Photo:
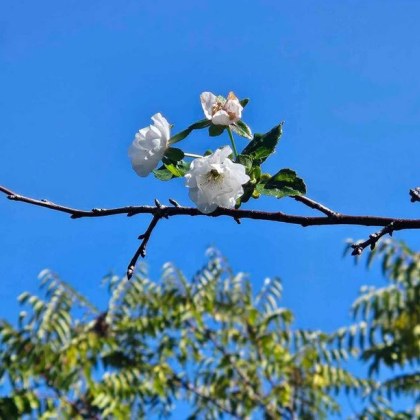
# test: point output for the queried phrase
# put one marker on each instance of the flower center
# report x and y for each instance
(214, 175)
(217, 106)
(232, 115)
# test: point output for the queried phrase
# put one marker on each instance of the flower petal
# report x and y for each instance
(221, 118)
(162, 125)
(149, 145)
(208, 100)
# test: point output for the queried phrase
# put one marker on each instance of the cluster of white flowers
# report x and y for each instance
(213, 180)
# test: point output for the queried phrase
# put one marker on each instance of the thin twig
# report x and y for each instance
(415, 194)
(315, 205)
(373, 239)
(141, 251)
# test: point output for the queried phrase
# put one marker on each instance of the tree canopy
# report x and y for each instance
(212, 341)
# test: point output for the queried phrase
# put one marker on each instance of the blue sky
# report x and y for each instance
(78, 79)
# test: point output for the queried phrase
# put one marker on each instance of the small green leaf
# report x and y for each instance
(256, 173)
(245, 161)
(263, 145)
(244, 102)
(284, 183)
(174, 154)
(177, 169)
(242, 129)
(182, 134)
(216, 130)
(249, 188)
(163, 174)
(173, 165)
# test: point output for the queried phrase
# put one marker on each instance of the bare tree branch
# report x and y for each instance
(373, 239)
(166, 211)
(159, 211)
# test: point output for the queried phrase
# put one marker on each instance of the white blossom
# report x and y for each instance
(215, 181)
(219, 110)
(149, 145)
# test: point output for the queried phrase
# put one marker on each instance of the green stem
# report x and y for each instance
(232, 140)
(192, 155)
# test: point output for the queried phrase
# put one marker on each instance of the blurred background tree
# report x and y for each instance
(213, 343)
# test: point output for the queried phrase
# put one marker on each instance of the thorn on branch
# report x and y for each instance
(237, 220)
(157, 203)
(415, 194)
(373, 239)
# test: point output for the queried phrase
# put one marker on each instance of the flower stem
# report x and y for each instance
(192, 155)
(232, 140)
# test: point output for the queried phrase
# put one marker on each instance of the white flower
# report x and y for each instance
(215, 181)
(219, 110)
(150, 145)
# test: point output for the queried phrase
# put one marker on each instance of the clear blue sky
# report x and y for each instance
(79, 78)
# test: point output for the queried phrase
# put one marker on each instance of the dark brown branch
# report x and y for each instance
(373, 239)
(415, 194)
(165, 211)
(141, 251)
(159, 211)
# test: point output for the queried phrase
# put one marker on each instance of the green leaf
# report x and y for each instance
(284, 183)
(244, 102)
(173, 165)
(263, 145)
(182, 134)
(242, 129)
(248, 188)
(245, 161)
(174, 154)
(216, 130)
(177, 169)
(163, 174)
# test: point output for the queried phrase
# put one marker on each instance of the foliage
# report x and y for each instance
(210, 341)
(388, 330)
